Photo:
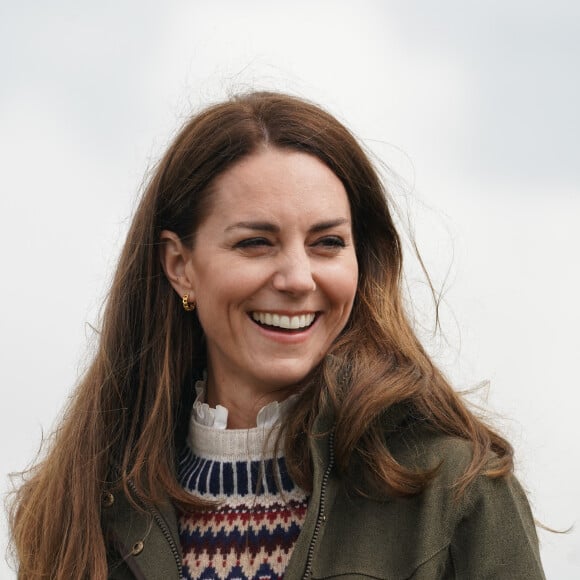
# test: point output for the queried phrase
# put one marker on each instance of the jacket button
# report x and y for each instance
(108, 499)
(137, 548)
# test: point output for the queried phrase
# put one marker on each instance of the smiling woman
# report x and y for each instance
(259, 405)
(273, 277)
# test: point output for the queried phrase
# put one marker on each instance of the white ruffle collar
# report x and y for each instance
(217, 417)
(209, 437)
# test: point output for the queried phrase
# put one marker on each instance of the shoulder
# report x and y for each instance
(490, 527)
(488, 532)
(423, 448)
(420, 447)
(417, 445)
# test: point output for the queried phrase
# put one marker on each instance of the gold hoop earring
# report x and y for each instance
(187, 305)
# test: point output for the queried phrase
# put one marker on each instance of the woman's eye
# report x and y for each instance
(252, 243)
(331, 242)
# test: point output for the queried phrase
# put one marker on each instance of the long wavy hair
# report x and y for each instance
(127, 418)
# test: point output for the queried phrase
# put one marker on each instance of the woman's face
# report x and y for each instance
(273, 269)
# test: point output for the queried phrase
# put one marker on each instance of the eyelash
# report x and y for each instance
(327, 241)
(332, 242)
(253, 242)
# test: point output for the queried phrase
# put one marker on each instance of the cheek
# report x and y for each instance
(341, 287)
(353, 286)
(346, 282)
(223, 298)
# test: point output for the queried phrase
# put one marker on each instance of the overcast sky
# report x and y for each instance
(472, 107)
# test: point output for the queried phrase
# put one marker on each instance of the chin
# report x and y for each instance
(285, 379)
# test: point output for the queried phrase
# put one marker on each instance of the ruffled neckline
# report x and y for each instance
(209, 437)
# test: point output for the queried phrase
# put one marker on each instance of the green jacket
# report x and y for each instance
(487, 534)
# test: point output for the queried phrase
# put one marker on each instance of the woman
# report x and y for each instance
(320, 441)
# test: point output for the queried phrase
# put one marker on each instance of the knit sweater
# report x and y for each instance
(259, 511)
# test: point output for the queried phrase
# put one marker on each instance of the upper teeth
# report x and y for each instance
(283, 321)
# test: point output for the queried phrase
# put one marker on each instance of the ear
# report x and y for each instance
(176, 262)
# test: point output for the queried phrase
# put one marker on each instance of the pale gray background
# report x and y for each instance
(474, 105)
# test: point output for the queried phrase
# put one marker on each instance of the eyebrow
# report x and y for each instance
(272, 228)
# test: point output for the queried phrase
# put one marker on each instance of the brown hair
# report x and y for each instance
(126, 419)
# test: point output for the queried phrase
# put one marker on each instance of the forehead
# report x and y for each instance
(279, 181)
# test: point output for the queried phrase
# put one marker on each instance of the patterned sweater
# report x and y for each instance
(251, 532)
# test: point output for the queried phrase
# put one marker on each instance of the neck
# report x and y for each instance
(242, 401)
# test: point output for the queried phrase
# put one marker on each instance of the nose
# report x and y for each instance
(294, 273)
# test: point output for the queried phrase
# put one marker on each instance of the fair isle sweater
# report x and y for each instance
(259, 512)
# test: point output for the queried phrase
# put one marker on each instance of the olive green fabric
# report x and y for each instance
(488, 533)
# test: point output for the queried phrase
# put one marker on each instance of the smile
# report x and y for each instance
(283, 321)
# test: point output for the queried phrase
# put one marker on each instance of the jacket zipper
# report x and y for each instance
(160, 521)
(321, 509)
(165, 531)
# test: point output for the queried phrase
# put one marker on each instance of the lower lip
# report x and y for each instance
(286, 337)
